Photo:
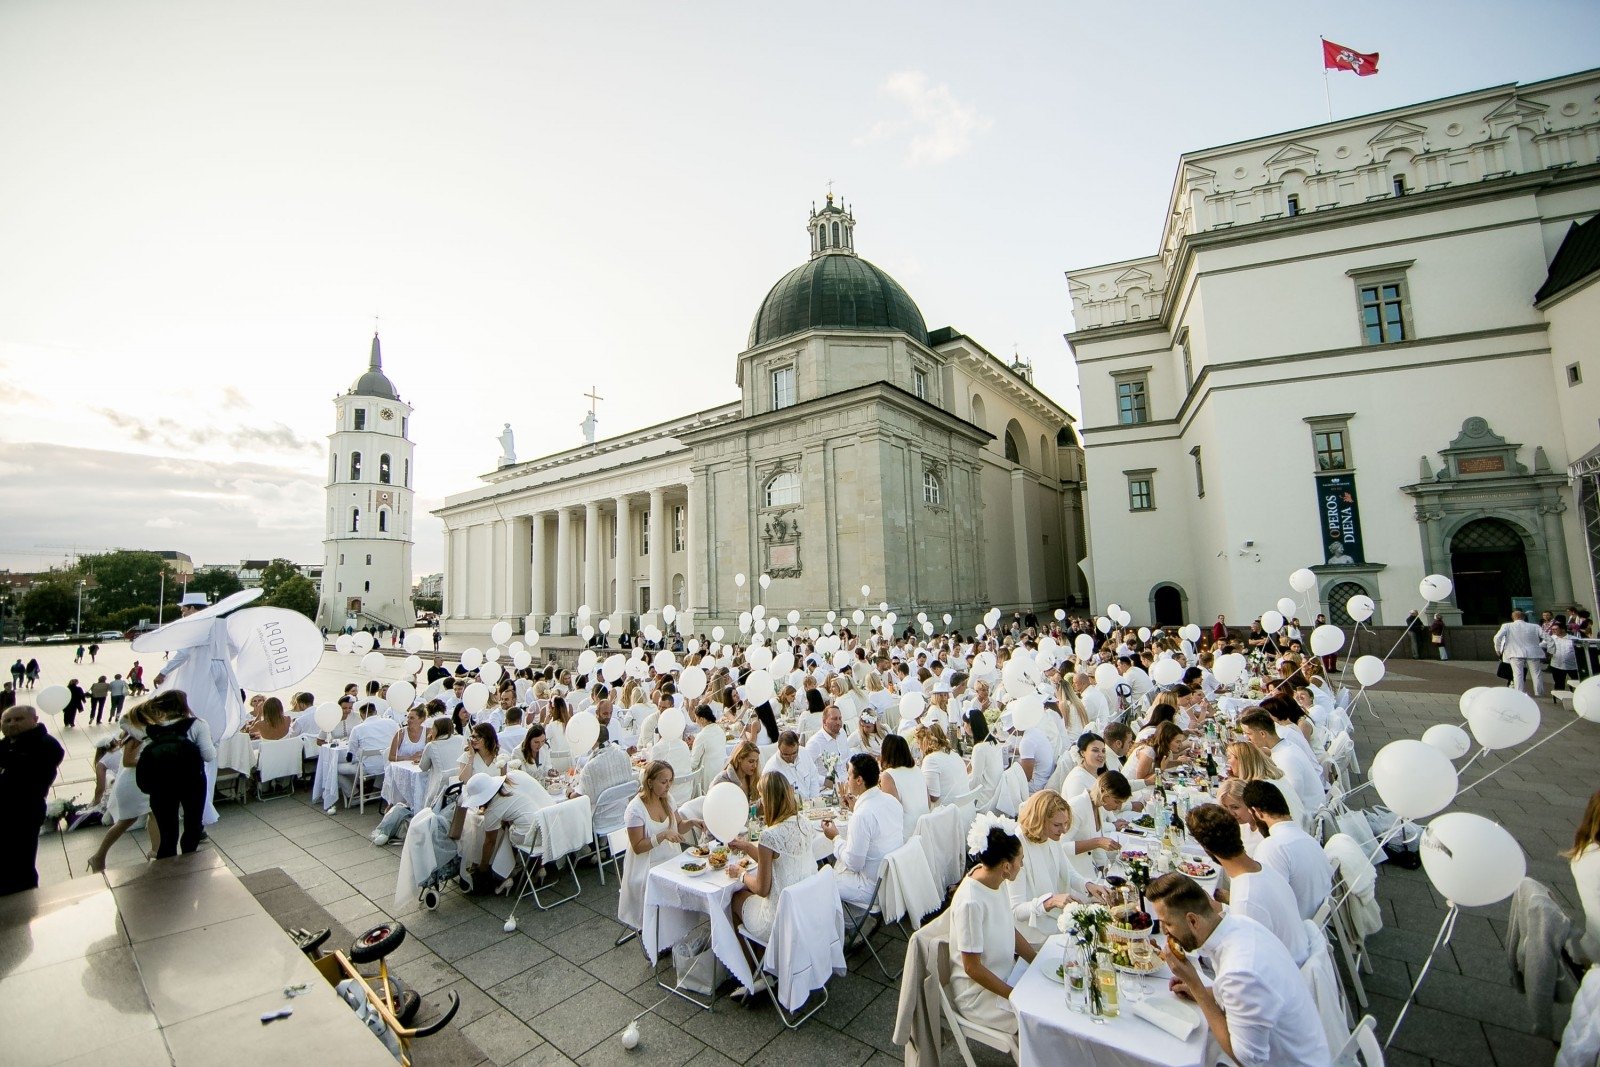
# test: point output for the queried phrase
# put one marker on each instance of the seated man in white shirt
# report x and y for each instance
(1136, 678)
(830, 741)
(1252, 889)
(607, 767)
(1095, 704)
(1257, 1007)
(876, 828)
(1037, 755)
(1288, 849)
(1299, 773)
(305, 723)
(513, 731)
(802, 773)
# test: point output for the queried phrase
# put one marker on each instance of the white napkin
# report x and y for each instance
(1171, 1014)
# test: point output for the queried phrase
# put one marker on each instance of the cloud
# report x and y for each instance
(191, 436)
(936, 126)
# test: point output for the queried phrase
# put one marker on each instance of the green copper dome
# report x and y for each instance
(838, 289)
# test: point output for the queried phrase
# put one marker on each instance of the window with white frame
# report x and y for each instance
(932, 492)
(783, 393)
(1141, 490)
(644, 533)
(783, 490)
(1199, 472)
(919, 383)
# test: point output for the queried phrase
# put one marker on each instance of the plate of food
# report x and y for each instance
(698, 850)
(1139, 958)
(1144, 822)
(1197, 869)
(694, 866)
(1129, 855)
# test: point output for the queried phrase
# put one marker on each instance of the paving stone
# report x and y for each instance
(502, 1036)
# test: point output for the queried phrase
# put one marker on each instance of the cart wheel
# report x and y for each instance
(430, 898)
(406, 1005)
(377, 943)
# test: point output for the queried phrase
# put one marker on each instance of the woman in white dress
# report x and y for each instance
(410, 739)
(1048, 881)
(1091, 764)
(783, 857)
(901, 779)
(1585, 860)
(555, 731)
(655, 835)
(482, 754)
(942, 770)
(869, 736)
(987, 762)
(983, 934)
(126, 803)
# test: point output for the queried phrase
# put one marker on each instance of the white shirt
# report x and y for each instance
(511, 737)
(1293, 853)
(1036, 746)
(1300, 773)
(1586, 872)
(1267, 898)
(945, 775)
(1046, 871)
(1077, 782)
(1519, 640)
(876, 828)
(373, 733)
(1139, 681)
(1272, 1020)
(802, 774)
(821, 746)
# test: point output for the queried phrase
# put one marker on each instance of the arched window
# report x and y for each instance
(931, 492)
(355, 520)
(1013, 453)
(407, 482)
(383, 468)
(783, 490)
(383, 522)
(355, 466)
(836, 235)
(333, 467)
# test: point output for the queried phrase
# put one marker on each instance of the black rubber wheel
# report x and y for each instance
(407, 1001)
(430, 898)
(377, 943)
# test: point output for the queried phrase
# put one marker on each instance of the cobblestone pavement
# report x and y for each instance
(558, 990)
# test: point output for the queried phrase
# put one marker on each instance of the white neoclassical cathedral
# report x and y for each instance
(863, 450)
(366, 573)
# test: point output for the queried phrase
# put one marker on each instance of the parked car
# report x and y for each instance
(108, 635)
(57, 637)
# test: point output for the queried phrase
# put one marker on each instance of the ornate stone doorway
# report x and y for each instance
(1166, 605)
(1490, 562)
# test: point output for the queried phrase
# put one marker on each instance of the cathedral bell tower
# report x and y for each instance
(366, 573)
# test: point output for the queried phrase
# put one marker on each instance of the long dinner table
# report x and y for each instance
(675, 901)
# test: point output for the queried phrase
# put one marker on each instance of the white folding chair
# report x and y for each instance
(810, 895)
(1361, 1048)
(1323, 985)
(530, 856)
(609, 809)
(1012, 792)
(1335, 914)
(962, 1028)
(278, 760)
(364, 786)
(939, 831)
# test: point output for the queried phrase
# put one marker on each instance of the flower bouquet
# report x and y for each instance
(1085, 925)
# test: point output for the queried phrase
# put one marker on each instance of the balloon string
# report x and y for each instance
(1518, 756)
(1446, 928)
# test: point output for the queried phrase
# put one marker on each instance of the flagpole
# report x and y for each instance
(1327, 93)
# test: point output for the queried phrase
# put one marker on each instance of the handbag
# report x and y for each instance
(1503, 671)
(1438, 639)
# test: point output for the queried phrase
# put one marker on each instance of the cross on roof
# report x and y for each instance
(593, 397)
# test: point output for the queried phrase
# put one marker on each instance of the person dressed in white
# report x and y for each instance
(1520, 644)
(513, 730)
(1095, 704)
(1093, 820)
(801, 772)
(1289, 850)
(710, 750)
(1252, 890)
(1257, 1006)
(1048, 881)
(943, 772)
(655, 835)
(987, 764)
(203, 671)
(1135, 678)
(830, 746)
(1037, 756)
(984, 939)
(903, 780)
(372, 736)
(1299, 773)
(876, 828)
(1091, 764)
(783, 857)
(507, 817)
(1585, 859)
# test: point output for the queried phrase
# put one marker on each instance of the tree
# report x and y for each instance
(216, 584)
(275, 574)
(51, 604)
(295, 592)
(428, 603)
(122, 579)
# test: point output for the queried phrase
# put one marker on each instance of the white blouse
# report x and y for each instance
(1046, 871)
(980, 922)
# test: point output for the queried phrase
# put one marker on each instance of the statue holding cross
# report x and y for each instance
(589, 420)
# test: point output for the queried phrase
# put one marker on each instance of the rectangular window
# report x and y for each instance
(1382, 313)
(1199, 473)
(1141, 493)
(341, 559)
(1329, 447)
(1574, 374)
(1399, 185)
(783, 388)
(1188, 363)
(680, 533)
(644, 533)
(369, 559)
(1294, 204)
(1133, 400)
(361, 418)
(919, 381)
(403, 429)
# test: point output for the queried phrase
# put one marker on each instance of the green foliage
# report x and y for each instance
(52, 604)
(429, 603)
(128, 618)
(295, 592)
(121, 579)
(275, 574)
(215, 584)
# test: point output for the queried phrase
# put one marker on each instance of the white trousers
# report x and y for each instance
(1523, 668)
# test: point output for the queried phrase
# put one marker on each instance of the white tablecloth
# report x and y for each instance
(325, 786)
(405, 783)
(674, 900)
(236, 754)
(1050, 1034)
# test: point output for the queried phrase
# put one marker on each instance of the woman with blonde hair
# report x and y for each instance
(1247, 763)
(273, 724)
(126, 803)
(782, 859)
(655, 835)
(743, 770)
(1048, 881)
(943, 772)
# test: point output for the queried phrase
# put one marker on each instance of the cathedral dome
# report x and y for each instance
(374, 382)
(837, 288)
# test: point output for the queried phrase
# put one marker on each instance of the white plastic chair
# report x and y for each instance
(962, 1028)
(530, 856)
(1323, 985)
(609, 810)
(811, 896)
(1361, 1048)
(362, 787)
(279, 759)
(940, 833)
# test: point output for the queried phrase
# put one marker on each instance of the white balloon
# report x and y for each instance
(1103, 624)
(983, 663)
(738, 580)
(758, 657)
(725, 811)
(326, 716)
(765, 581)
(671, 724)
(1471, 861)
(1414, 779)
(344, 644)
(364, 641)
(718, 633)
(491, 654)
(758, 613)
(583, 730)
(1228, 668)
(911, 705)
(533, 639)
(1435, 587)
(611, 670)
(947, 618)
(587, 660)
(1113, 609)
(1448, 738)
(772, 625)
(605, 626)
(515, 647)
(664, 661)
(1124, 618)
(417, 639)
(692, 683)
(52, 699)
(401, 695)
(669, 614)
(782, 665)
(1144, 632)
(1369, 670)
(927, 628)
(583, 613)
(1190, 633)
(1286, 607)
(1360, 607)
(410, 665)
(1303, 580)
(858, 616)
(793, 617)
(758, 687)
(980, 629)
(521, 660)
(475, 697)
(372, 663)
(1105, 676)
(866, 591)
(1503, 717)
(472, 659)
(500, 632)
(883, 605)
(1083, 646)
(1061, 616)
(1586, 699)
(1469, 696)
(652, 634)
(841, 659)
(1027, 711)
(1272, 621)
(1166, 671)
(587, 633)
(1326, 640)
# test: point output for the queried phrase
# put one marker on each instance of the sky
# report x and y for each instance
(205, 207)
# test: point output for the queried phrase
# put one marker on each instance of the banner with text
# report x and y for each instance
(1340, 518)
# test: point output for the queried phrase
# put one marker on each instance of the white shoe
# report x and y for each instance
(380, 839)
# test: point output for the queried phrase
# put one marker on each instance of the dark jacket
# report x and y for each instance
(28, 764)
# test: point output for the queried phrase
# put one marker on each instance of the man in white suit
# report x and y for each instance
(1520, 644)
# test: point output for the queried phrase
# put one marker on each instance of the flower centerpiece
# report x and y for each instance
(1085, 926)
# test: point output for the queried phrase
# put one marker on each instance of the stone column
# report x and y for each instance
(660, 536)
(591, 562)
(1556, 544)
(694, 556)
(622, 605)
(539, 607)
(446, 608)
(492, 541)
(1019, 536)
(561, 623)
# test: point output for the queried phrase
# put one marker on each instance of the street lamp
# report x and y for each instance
(78, 626)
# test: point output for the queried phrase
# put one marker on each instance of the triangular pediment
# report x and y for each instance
(1516, 110)
(1194, 175)
(1399, 132)
(1131, 277)
(1292, 153)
